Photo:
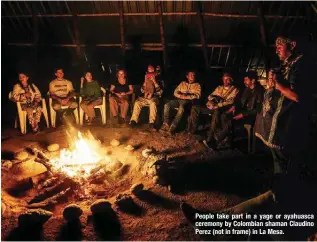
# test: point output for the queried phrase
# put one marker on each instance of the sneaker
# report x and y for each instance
(165, 127)
(89, 121)
(114, 122)
(36, 130)
(211, 145)
(132, 124)
(152, 127)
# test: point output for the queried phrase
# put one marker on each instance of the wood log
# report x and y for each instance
(98, 177)
(48, 183)
(51, 191)
(52, 201)
(41, 177)
(45, 163)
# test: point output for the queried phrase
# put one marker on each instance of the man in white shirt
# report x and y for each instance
(219, 102)
(186, 93)
(62, 92)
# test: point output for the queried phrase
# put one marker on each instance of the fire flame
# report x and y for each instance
(84, 155)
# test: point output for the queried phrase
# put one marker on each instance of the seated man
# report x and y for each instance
(219, 102)
(245, 108)
(62, 93)
(152, 90)
(186, 93)
(119, 99)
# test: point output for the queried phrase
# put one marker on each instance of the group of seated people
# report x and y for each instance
(225, 104)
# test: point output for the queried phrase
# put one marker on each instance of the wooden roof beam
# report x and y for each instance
(218, 15)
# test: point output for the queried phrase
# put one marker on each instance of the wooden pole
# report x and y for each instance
(264, 37)
(120, 4)
(76, 35)
(160, 7)
(202, 33)
(35, 39)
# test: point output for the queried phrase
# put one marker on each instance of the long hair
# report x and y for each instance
(30, 83)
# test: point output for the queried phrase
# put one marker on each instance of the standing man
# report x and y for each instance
(152, 90)
(62, 92)
(219, 103)
(288, 131)
(186, 93)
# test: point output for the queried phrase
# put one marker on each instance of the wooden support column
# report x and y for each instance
(202, 33)
(160, 7)
(35, 39)
(122, 29)
(264, 37)
(76, 35)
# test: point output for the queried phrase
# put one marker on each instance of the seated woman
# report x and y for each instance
(120, 91)
(30, 97)
(91, 93)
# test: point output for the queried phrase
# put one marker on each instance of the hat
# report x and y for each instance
(282, 40)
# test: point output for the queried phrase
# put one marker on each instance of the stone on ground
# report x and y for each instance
(136, 188)
(72, 212)
(53, 147)
(33, 217)
(21, 156)
(100, 206)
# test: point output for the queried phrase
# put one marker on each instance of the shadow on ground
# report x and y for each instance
(71, 231)
(240, 175)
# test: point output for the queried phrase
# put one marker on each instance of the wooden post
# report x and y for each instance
(35, 39)
(160, 6)
(202, 33)
(76, 35)
(264, 37)
(120, 3)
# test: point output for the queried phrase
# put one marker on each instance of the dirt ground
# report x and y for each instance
(204, 180)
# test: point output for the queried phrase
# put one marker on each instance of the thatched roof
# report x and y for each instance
(232, 29)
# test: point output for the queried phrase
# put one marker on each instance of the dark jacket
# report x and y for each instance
(250, 101)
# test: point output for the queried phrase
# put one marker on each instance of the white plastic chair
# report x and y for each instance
(101, 107)
(53, 112)
(22, 115)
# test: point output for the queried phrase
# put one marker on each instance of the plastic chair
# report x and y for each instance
(53, 112)
(101, 107)
(22, 115)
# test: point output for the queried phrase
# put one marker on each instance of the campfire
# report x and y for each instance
(75, 171)
(84, 155)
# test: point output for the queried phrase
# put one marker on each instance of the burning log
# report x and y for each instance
(49, 182)
(40, 154)
(52, 201)
(98, 177)
(41, 177)
(49, 192)
(122, 171)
